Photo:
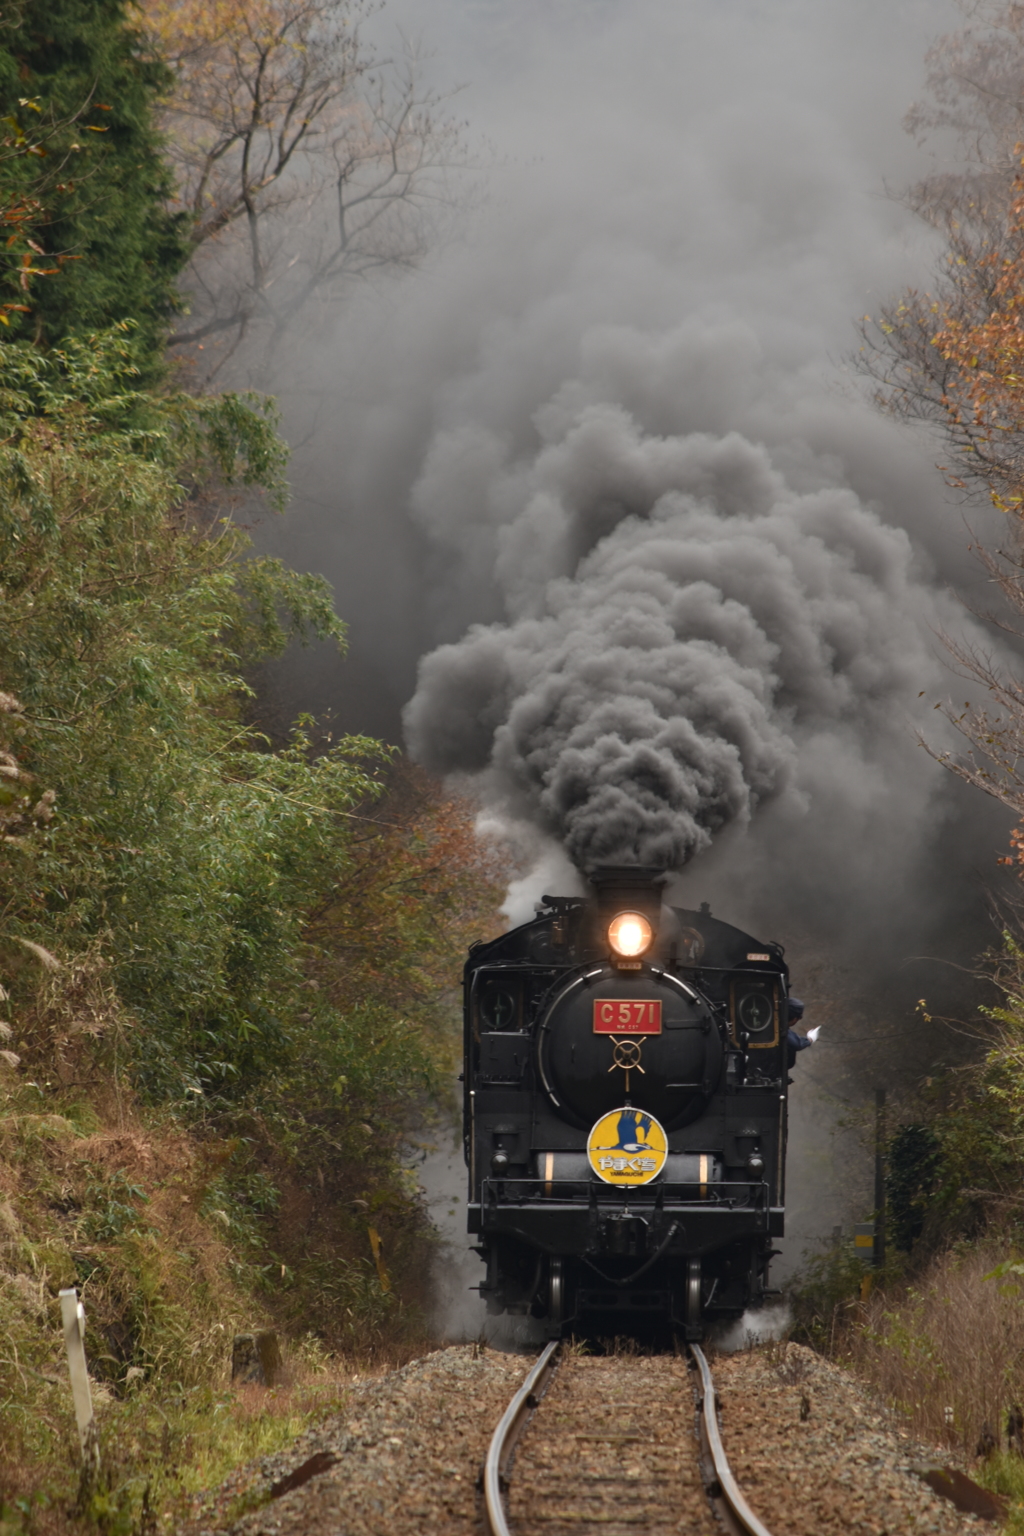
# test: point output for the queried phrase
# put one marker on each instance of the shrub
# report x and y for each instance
(84, 189)
(946, 1351)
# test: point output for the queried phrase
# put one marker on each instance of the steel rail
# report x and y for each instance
(722, 1487)
(503, 1441)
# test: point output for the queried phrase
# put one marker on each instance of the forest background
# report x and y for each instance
(227, 939)
(229, 942)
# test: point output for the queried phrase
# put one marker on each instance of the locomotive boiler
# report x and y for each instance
(625, 1111)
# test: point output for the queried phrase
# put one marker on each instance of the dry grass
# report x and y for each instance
(946, 1351)
(164, 1456)
(125, 1205)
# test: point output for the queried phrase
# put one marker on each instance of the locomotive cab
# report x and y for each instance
(625, 1111)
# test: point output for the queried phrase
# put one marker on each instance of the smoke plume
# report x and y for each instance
(668, 580)
(609, 515)
(693, 639)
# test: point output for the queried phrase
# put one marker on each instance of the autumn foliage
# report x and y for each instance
(304, 159)
(89, 236)
(953, 357)
(228, 963)
(980, 338)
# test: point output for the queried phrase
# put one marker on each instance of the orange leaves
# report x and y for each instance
(179, 26)
(977, 327)
(1015, 859)
(419, 889)
(24, 212)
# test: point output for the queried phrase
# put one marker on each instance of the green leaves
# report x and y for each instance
(270, 588)
(89, 237)
(244, 930)
(1009, 1267)
(182, 845)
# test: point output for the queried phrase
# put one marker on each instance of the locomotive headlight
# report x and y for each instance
(630, 934)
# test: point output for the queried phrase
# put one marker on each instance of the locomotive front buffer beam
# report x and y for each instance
(585, 1227)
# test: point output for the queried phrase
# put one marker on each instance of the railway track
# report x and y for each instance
(605, 1445)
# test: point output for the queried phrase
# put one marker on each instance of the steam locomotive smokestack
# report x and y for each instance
(628, 887)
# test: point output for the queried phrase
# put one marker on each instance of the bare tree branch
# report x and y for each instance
(304, 160)
(954, 357)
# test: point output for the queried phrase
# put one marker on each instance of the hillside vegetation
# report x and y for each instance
(226, 963)
(226, 970)
(940, 1329)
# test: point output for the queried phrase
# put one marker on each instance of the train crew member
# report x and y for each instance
(794, 1041)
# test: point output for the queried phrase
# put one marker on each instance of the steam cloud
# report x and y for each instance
(671, 585)
(667, 580)
(686, 627)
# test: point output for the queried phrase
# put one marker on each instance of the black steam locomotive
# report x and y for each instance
(625, 1111)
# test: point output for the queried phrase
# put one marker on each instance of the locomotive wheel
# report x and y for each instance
(556, 1289)
(691, 1299)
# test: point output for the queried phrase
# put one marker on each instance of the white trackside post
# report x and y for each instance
(73, 1317)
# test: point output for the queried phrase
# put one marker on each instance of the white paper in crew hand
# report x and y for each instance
(812, 1034)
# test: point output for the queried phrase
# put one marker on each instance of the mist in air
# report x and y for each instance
(621, 543)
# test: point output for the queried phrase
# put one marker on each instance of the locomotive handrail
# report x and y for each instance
(763, 968)
(723, 1488)
(503, 1441)
(514, 1189)
(622, 1191)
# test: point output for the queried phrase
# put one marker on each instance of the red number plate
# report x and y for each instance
(627, 1016)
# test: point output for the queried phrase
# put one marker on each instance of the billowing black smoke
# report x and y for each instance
(691, 639)
(673, 587)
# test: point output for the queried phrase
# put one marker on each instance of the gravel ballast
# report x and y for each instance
(408, 1452)
(815, 1454)
(812, 1451)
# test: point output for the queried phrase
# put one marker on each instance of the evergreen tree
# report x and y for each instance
(84, 192)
